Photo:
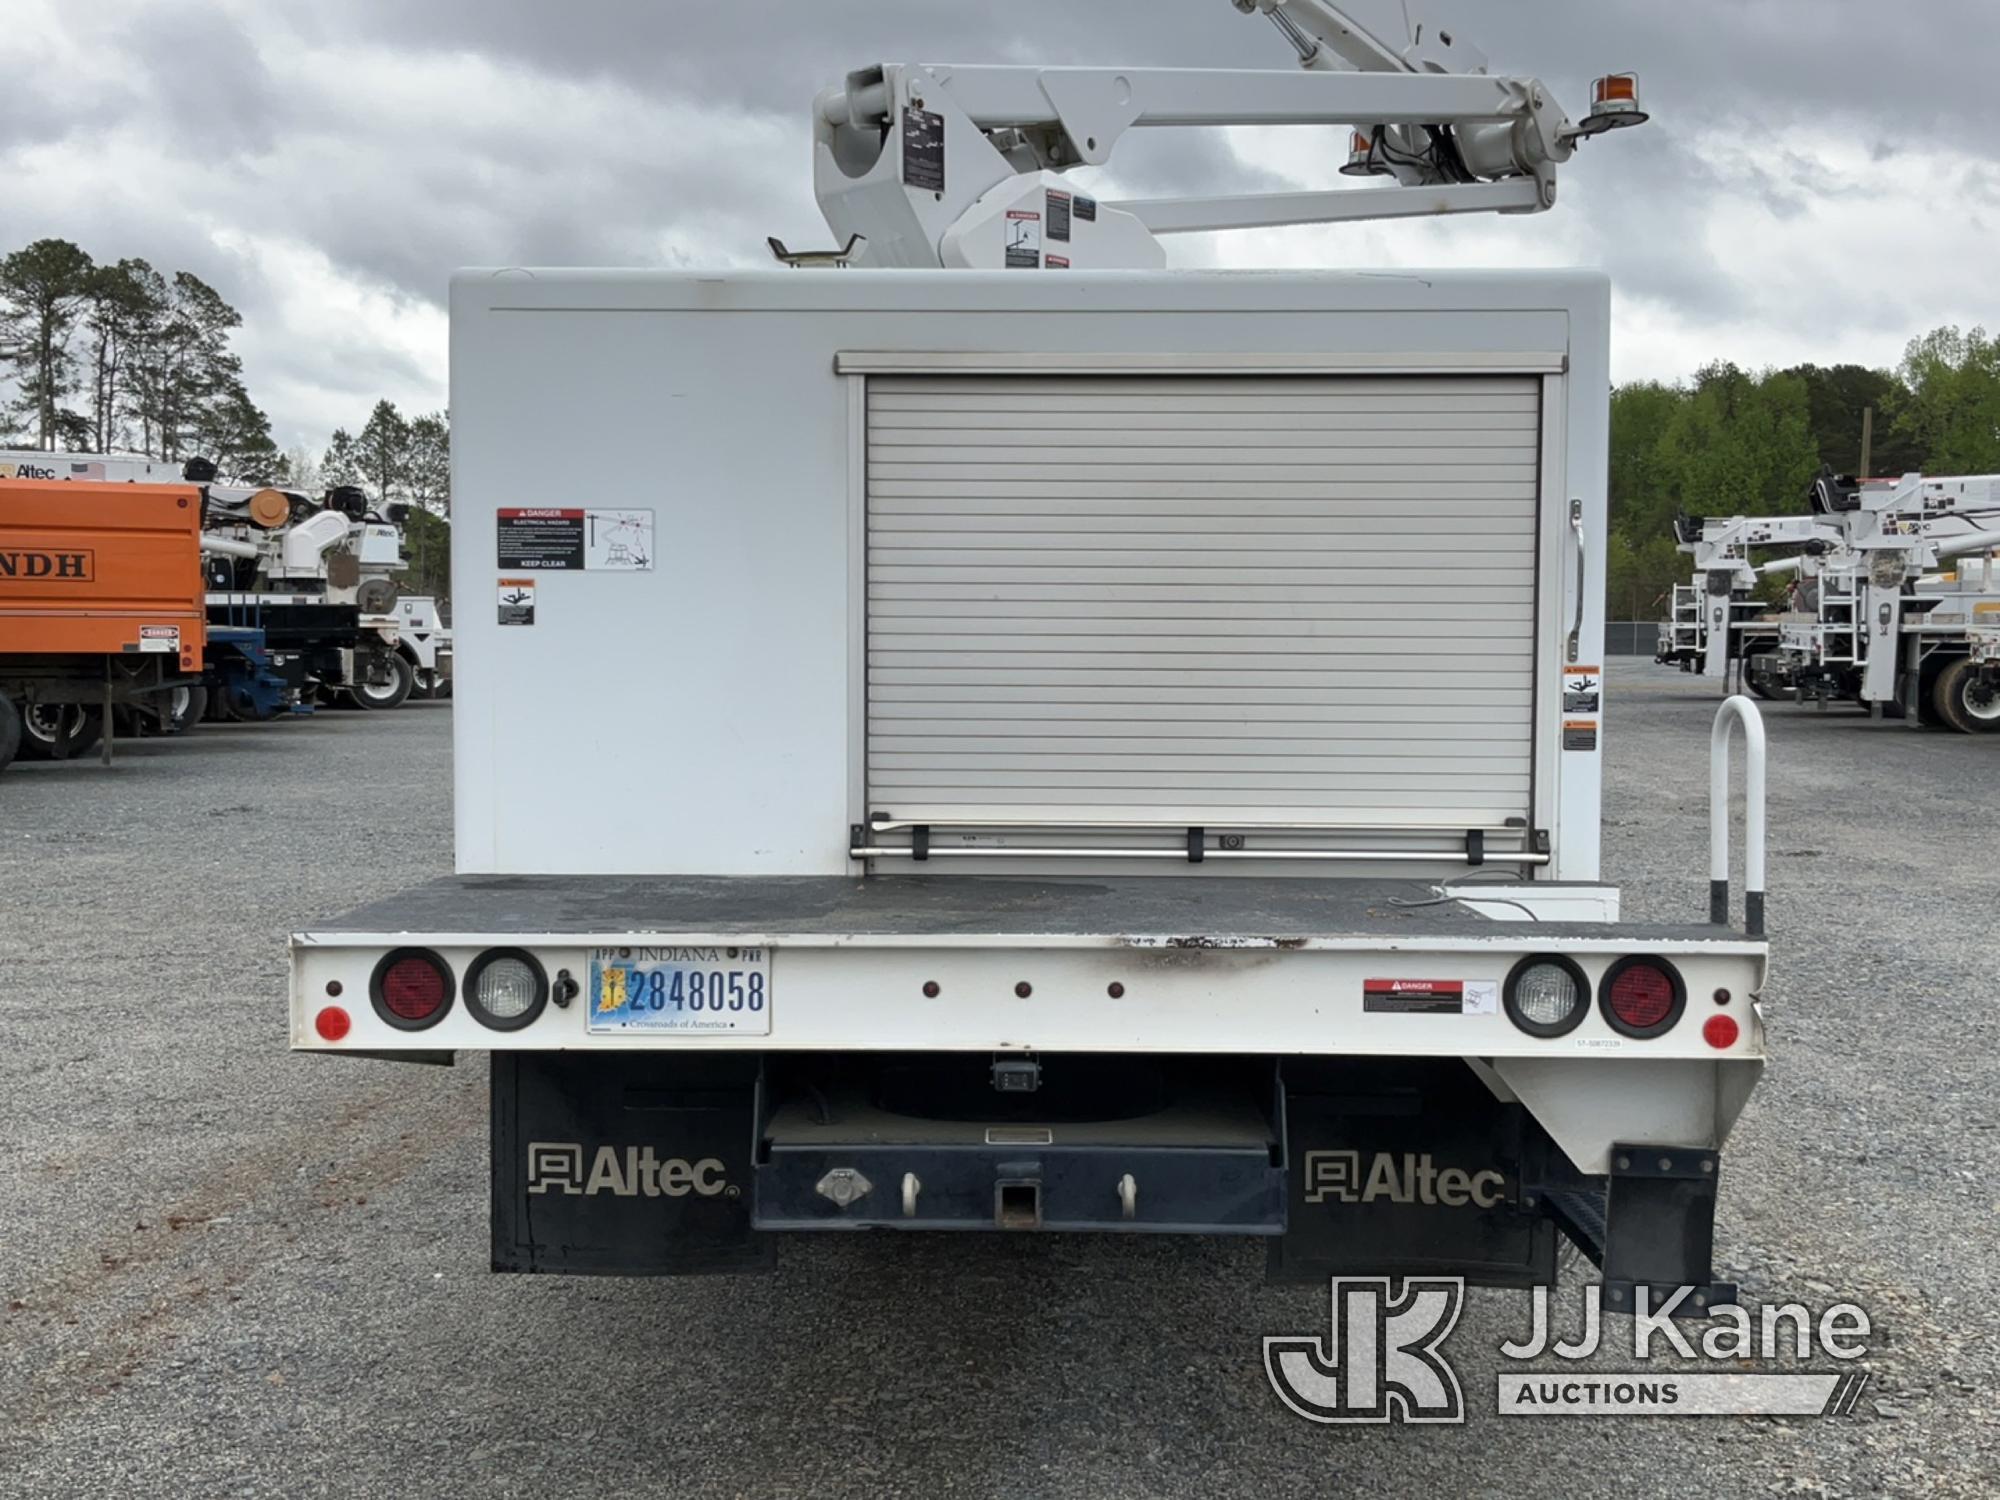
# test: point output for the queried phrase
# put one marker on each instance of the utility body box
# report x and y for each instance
(92, 569)
(1003, 771)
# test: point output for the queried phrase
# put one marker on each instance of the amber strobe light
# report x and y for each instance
(1614, 104)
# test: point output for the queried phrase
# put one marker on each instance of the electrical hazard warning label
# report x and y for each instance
(517, 601)
(162, 638)
(1430, 997)
(558, 540)
(541, 539)
(1024, 239)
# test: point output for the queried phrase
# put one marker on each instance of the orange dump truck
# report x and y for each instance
(101, 607)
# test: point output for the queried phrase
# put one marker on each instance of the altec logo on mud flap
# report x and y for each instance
(72, 567)
(1408, 1178)
(634, 1172)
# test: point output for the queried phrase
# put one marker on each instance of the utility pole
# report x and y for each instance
(1867, 441)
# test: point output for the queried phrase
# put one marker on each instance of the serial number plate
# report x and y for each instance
(682, 990)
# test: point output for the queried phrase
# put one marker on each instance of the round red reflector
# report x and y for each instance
(413, 989)
(1641, 996)
(1720, 1032)
(331, 1023)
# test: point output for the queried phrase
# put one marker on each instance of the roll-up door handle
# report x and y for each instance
(1576, 529)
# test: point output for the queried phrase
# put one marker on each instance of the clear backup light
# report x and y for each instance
(1546, 995)
(505, 988)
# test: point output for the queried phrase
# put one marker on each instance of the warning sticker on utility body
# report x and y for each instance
(1430, 997)
(562, 540)
(1582, 690)
(162, 638)
(517, 601)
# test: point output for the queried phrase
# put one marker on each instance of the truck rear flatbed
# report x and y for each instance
(1015, 964)
(1250, 909)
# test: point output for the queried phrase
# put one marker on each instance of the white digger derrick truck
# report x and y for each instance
(1067, 744)
(1892, 617)
(1716, 621)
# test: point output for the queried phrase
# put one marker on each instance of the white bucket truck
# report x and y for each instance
(1058, 748)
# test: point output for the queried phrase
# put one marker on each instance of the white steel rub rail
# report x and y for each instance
(1742, 709)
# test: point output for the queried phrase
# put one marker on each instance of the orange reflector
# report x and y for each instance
(331, 1023)
(1720, 1032)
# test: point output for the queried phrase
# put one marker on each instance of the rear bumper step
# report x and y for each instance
(648, 1165)
(1211, 1165)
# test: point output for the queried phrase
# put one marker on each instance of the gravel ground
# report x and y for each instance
(227, 1270)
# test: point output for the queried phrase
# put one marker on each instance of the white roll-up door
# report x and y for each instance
(1177, 599)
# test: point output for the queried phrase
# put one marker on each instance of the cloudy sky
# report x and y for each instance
(1821, 180)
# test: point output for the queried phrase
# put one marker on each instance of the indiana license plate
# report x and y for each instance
(682, 990)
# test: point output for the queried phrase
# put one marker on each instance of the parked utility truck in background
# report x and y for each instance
(100, 609)
(307, 585)
(1065, 744)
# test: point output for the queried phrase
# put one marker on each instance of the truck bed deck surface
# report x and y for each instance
(1196, 911)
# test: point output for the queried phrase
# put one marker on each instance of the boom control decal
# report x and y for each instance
(1024, 239)
(1058, 215)
(923, 150)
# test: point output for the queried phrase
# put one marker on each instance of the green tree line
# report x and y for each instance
(1729, 442)
(118, 357)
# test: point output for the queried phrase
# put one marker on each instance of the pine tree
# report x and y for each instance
(123, 304)
(427, 471)
(43, 289)
(382, 453)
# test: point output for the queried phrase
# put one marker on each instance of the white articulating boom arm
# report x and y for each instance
(941, 165)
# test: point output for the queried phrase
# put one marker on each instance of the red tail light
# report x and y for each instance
(412, 989)
(1643, 997)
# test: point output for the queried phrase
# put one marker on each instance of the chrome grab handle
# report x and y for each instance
(1576, 529)
(1742, 709)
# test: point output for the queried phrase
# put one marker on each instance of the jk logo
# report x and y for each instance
(1380, 1360)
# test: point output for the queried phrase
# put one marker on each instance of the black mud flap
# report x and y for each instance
(624, 1166)
(1410, 1167)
